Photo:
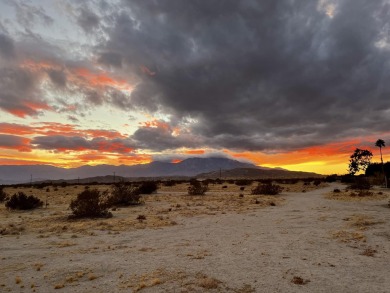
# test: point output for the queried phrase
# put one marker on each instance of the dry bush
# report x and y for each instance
(360, 183)
(267, 189)
(197, 188)
(3, 195)
(124, 194)
(20, 201)
(148, 187)
(90, 203)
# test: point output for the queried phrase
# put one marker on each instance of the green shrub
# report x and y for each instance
(125, 194)
(91, 203)
(20, 201)
(197, 188)
(267, 189)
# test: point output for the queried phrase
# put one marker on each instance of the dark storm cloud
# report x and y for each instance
(258, 74)
(19, 94)
(58, 77)
(7, 47)
(161, 139)
(111, 58)
(88, 20)
(78, 143)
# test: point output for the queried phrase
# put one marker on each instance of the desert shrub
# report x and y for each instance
(243, 182)
(148, 187)
(125, 194)
(331, 178)
(336, 190)
(317, 182)
(361, 193)
(268, 189)
(360, 183)
(219, 181)
(20, 201)
(3, 195)
(90, 203)
(170, 183)
(197, 188)
(347, 178)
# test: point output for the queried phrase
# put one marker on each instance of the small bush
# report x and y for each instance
(170, 183)
(243, 182)
(316, 182)
(125, 194)
(3, 195)
(148, 187)
(20, 201)
(267, 189)
(336, 190)
(197, 188)
(90, 203)
(360, 183)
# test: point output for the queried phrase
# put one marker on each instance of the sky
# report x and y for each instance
(297, 84)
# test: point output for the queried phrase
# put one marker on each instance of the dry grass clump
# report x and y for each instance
(369, 252)
(12, 229)
(208, 282)
(299, 281)
(349, 236)
(361, 222)
(356, 195)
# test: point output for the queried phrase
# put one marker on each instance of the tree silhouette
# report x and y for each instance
(359, 160)
(380, 143)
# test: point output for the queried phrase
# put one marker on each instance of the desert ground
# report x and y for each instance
(307, 239)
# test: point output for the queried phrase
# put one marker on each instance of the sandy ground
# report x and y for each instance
(308, 242)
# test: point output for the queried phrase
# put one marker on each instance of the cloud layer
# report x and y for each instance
(257, 76)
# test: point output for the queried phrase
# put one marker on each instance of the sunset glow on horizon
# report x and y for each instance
(126, 82)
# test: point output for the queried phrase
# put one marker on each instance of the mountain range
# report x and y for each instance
(12, 174)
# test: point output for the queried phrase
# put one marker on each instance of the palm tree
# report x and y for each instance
(380, 143)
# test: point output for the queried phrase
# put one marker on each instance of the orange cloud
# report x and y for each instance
(175, 161)
(100, 79)
(92, 157)
(156, 124)
(104, 133)
(132, 160)
(16, 129)
(194, 152)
